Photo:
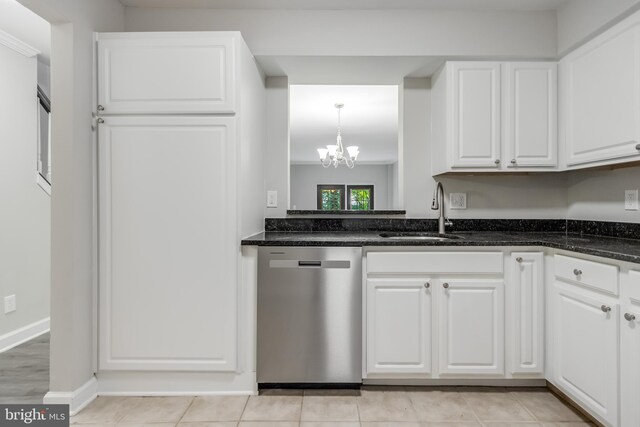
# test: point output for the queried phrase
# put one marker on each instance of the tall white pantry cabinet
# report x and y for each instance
(180, 182)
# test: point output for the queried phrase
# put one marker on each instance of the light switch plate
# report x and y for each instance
(9, 304)
(631, 200)
(272, 199)
(458, 201)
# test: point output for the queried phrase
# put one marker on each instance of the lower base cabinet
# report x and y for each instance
(399, 313)
(630, 352)
(586, 349)
(471, 327)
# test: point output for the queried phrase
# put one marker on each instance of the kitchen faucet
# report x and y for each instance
(438, 204)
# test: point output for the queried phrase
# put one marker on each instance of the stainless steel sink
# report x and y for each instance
(420, 236)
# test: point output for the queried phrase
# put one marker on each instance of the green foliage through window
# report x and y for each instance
(331, 199)
(360, 199)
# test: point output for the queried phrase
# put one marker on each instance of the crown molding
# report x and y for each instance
(17, 45)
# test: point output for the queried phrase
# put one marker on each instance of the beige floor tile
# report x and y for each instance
(158, 409)
(440, 406)
(515, 424)
(273, 408)
(95, 425)
(329, 408)
(546, 407)
(105, 409)
(389, 424)
(330, 424)
(209, 424)
(451, 424)
(385, 406)
(268, 424)
(496, 406)
(215, 408)
(571, 424)
(145, 425)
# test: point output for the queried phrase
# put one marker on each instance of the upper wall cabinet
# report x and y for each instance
(601, 97)
(492, 116)
(201, 78)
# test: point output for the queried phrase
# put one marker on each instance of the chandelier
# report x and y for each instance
(334, 155)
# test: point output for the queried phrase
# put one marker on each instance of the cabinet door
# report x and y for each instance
(527, 291)
(530, 114)
(630, 356)
(166, 73)
(167, 244)
(471, 327)
(602, 90)
(398, 326)
(475, 115)
(586, 350)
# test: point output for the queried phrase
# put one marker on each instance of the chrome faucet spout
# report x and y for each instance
(438, 204)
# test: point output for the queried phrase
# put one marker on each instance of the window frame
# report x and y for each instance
(360, 187)
(45, 103)
(321, 187)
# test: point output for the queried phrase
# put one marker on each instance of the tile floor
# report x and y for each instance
(24, 372)
(371, 407)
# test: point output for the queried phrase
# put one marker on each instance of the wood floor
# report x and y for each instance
(24, 372)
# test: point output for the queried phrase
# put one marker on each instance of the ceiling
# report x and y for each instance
(353, 4)
(369, 120)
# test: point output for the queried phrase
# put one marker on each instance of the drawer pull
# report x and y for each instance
(577, 272)
(605, 308)
(638, 147)
(630, 317)
(445, 285)
(519, 259)
(497, 162)
(427, 285)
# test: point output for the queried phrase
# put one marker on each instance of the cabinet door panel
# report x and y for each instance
(630, 353)
(166, 73)
(528, 312)
(167, 244)
(586, 351)
(531, 114)
(398, 326)
(475, 114)
(602, 87)
(471, 330)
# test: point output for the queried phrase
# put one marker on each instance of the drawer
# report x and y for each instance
(435, 262)
(588, 273)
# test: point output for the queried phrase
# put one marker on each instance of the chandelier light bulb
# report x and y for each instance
(322, 152)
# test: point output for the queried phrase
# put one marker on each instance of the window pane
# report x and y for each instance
(43, 140)
(331, 199)
(360, 199)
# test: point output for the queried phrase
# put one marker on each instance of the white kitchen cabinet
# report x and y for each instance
(530, 114)
(167, 243)
(398, 317)
(527, 311)
(630, 352)
(585, 349)
(170, 73)
(471, 327)
(494, 116)
(601, 91)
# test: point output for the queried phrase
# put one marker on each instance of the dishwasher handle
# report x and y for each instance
(295, 263)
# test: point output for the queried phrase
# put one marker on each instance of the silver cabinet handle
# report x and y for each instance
(445, 285)
(630, 317)
(605, 308)
(100, 108)
(519, 259)
(100, 120)
(497, 162)
(638, 147)
(577, 272)
(427, 285)
(513, 161)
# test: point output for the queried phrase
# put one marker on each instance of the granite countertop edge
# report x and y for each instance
(605, 247)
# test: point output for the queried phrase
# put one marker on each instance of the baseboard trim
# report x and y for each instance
(76, 399)
(444, 382)
(24, 334)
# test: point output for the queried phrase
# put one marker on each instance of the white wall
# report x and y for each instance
(306, 178)
(72, 210)
(25, 245)
(367, 32)
(277, 153)
(580, 20)
(599, 195)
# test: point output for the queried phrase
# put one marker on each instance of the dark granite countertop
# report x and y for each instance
(608, 247)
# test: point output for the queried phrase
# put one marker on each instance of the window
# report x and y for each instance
(44, 141)
(330, 197)
(360, 197)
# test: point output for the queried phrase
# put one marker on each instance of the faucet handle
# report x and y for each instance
(448, 222)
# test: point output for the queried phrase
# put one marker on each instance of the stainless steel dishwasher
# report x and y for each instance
(309, 315)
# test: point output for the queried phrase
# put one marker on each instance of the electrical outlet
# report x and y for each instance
(9, 304)
(457, 200)
(272, 199)
(631, 200)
